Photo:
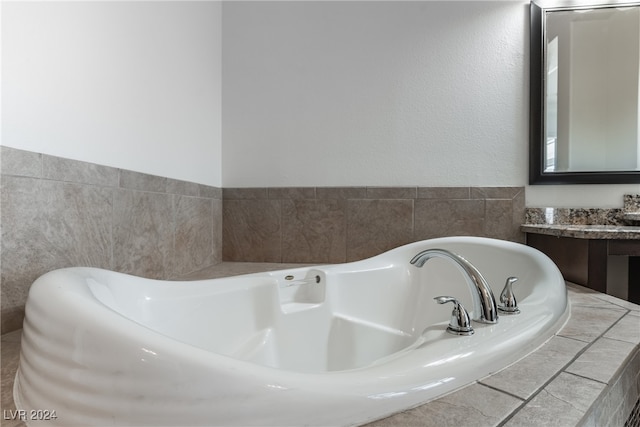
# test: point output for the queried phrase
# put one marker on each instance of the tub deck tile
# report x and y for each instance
(527, 376)
(616, 302)
(562, 403)
(473, 405)
(587, 323)
(590, 363)
(627, 329)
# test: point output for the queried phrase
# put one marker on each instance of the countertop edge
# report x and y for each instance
(601, 232)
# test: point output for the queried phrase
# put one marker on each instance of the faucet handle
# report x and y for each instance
(460, 324)
(508, 303)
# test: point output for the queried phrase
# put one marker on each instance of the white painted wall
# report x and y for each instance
(134, 85)
(358, 93)
(383, 93)
(375, 93)
(579, 196)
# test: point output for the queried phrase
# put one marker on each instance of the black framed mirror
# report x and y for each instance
(585, 86)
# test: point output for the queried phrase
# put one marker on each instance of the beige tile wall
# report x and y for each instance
(57, 213)
(339, 224)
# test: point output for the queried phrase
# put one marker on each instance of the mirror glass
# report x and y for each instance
(585, 106)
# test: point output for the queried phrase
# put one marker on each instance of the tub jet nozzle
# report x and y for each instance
(305, 281)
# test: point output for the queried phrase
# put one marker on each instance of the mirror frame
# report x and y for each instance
(537, 74)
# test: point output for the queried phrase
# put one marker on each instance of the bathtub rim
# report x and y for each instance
(326, 380)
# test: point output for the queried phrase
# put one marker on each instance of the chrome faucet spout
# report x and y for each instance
(484, 303)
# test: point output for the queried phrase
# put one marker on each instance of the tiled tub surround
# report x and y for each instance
(341, 224)
(58, 213)
(587, 375)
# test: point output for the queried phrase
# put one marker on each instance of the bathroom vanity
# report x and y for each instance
(583, 242)
(582, 252)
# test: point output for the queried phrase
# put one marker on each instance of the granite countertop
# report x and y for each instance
(622, 232)
(631, 216)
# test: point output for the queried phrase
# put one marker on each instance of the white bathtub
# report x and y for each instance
(329, 345)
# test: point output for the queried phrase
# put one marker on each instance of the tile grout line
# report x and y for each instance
(557, 374)
(112, 223)
(109, 187)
